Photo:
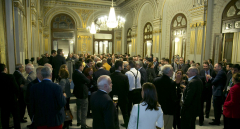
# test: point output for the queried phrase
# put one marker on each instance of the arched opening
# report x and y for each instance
(63, 33)
(230, 30)
(129, 41)
(147, 39)
(178, 36)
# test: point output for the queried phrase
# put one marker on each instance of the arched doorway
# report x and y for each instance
(63, 33)
(230, 30)
(147, 39)
(129, 41)
(178, 36)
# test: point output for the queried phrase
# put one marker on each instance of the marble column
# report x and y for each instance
(156, 38)
(134, 38)
(35, 42)
(10, 35)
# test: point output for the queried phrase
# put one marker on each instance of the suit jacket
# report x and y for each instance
(30, 78)
(144, 75)
(202, 76)
(19, 78)
(218, 83)
(65, 85)
(151, 71)
(166, 91)
(120, 87)
(184, 68)
(50, 60)
(192, 97)
(156, 67)
(229, 77)
(112, 69)
(27, 98)
(80, 89)
(10, 88)
(124, 71)
(47, 104)
(174, 69)
(99, 73)
(58, 60)
(231, 105)
(103, 111)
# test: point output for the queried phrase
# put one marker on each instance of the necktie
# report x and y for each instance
(206, 76)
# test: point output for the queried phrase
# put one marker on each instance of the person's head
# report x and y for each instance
(139, 64)
(154, 59)
(125, 64)
(210, 61)
(63, 73)
(46, 54)
(166, 61)
(48, 65)
(150, 65)
(192, 71)
(46, 72)
(218, 67)
(162, 62)
(192, 62)
(3, 68)
(99, 65)
(54, 53)
(131, 64)
(60, 52)
(64, 66)
(187, 61)
(229, 66)
(89, 62)
(104, 82)
(88, 72)
(119, 65)
(149, 95)
(236, 78)
(179, 74)
(193, 65)
(206, 66)
(19, 67)
(197, 65)
(29, 68)
(70, 55)
(176, 60)
(181, 61)
(225, 60)
(38, 73)
(167, 70)
(104, 60)
(78, 65)
(235, 68)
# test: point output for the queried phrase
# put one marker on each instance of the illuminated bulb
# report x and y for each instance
(177, 40)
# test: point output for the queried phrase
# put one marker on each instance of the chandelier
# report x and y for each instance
(111, 21)
(93, 28)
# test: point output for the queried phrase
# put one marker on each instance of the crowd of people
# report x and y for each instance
(150, 93)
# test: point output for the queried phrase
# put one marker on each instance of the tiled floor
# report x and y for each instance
(89, 121)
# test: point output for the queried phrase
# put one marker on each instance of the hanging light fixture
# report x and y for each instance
(93, 28)
(111, 21)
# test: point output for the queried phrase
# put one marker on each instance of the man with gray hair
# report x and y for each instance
(31, 75)
(191, 99)
(103, 109)
(47, 102)
(166, 91)
(139, 67)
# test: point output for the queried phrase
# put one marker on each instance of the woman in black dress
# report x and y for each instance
(150, 72)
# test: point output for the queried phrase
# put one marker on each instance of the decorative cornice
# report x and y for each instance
(134, 35)
(118, 38)
(198, 24)
(157, 31)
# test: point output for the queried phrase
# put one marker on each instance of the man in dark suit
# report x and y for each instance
(218, 84)
(144, 77)
(21, 82)
(166, 95)
(101, 71)
(121, 89)
(47, 102)
(207, 91)
(155, 63)
(9, 105)
(58, 60)
(182, 66)
(28, 90)
(81, 92)
(103, 109)
(229, 81)
(89, 63)
(54, 53)
(191, 99)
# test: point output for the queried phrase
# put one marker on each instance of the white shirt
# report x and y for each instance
(147, 119)
(189, 79)
(131, 79)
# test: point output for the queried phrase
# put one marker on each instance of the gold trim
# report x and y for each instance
(197, 8)
(157, 31)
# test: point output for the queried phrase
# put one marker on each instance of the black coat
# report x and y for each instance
(183, 67)
(192, 98)
(19, 78)
(218, 83)
(43, 61)
(10, 89)
(156, 68)
(166, 91)
(144, 77)
(120, 87)
(47, 104)
(112, 69)
(150, 71)
(103, 111)
(50, 60)
(229, 76)
(57, 61)
(99, 73)
(80, 88)
(36, 81)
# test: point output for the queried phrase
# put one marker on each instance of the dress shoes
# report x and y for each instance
(86, 127)
(214, 123)
(23, 121)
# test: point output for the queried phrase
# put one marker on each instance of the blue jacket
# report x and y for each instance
(218, 83)
(47, 104)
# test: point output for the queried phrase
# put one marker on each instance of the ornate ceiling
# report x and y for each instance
(100, 2)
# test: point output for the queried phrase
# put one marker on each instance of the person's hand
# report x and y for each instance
(70, 80)
(64, 94)
(208, 76)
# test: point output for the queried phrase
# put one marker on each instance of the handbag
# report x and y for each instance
(138, 116)
(68, 114)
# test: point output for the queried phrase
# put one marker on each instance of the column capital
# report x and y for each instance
(18, 4)
(46, 35)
